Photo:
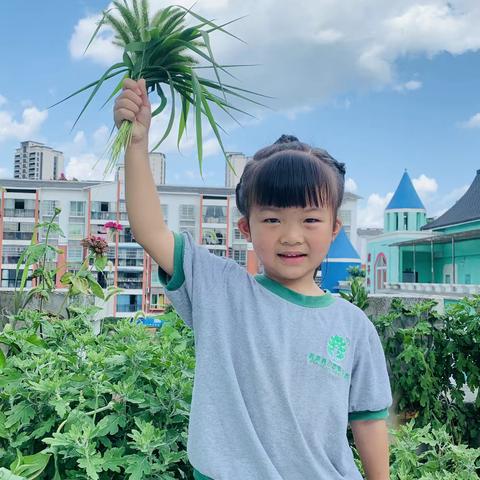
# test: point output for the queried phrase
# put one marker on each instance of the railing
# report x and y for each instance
(129, 308)
(15, 284)
(126, 239)
(19, 212)
(10, 260)
(123, 216)
(221, 220)
(17, 235)
(130, 262)
(129, 284)
(432, 288)
(104, 216)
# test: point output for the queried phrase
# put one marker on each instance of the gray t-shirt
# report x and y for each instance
(278, 374)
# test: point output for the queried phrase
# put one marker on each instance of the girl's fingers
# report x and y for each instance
(128, 104)
(125, 114)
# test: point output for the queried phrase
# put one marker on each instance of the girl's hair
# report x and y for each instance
(290, 173)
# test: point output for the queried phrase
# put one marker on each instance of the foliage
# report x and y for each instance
(427, 453)
(355, 271)
(358, 294)
(36, 256)
(424, 351)
(79, 406)
(164, 51)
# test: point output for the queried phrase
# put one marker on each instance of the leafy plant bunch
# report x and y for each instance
(427, 453)
(165, 52)
(114, 406)
(425, 351)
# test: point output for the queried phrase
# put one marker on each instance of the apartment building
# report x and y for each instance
(208, 213)
(238, 160)
(36, 161)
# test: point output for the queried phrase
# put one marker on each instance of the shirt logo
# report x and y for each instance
(337, 347)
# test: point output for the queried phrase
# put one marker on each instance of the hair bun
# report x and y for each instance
(286, 139)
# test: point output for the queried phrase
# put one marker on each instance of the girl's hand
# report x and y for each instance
(133, 104)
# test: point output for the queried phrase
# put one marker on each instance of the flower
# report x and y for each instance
(113, 226)
(96, 245)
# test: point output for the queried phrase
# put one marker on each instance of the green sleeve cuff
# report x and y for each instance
(175, 281)
(367, 415)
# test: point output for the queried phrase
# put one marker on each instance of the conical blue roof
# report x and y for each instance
(405, 196)
(342, 248)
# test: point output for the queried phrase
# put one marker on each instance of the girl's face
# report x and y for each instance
(291, 242)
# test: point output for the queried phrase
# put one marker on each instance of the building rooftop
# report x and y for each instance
(466, 209)
(342, 248)
(405, 196)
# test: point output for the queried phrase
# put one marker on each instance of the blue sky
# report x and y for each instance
(381, 87)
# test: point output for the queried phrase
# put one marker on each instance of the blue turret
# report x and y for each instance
(405, 211)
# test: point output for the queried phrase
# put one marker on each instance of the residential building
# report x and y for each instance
(157, 166)
(209, 214)
(36, 161)
(238, 161)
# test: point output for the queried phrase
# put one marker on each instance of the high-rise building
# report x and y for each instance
(157, 165)
(36, 161)
(238, 161)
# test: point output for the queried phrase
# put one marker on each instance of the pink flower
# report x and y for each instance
(113, 226)
(96, 245)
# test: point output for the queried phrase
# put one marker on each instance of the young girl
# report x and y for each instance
(282, 366)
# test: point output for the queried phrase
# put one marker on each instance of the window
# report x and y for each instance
(345, 216)
(419, 220)
(405, 221)
(19, 204)
(187, 212)
(104, 206)
(76, 231)
(468, 278)
(396, 220)
(77, 209)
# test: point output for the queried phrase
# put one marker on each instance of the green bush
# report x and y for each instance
(424, 351)
(78, 406)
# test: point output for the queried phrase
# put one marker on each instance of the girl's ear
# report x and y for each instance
(336, 228)
(244, 227)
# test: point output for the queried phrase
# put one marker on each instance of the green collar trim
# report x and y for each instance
(310, 301)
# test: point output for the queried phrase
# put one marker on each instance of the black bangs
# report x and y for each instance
(293, 179)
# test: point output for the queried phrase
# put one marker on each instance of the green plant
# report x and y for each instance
(164, 52)
(358, 294)
(355, 271)
(427, 453)
(424, 351)
(79, 406)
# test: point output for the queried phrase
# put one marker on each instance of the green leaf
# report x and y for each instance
(21, 413)
(138, 467)
(3, 360)
(100, 262)
(31, 466)
(96, 289)
(8, 475)
(36, 340)
(197, 90)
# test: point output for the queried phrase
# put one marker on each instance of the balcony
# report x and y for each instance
(17, 235)
(104, 216)
(10, 259)
(431, 289)
(130, 262)
(129, 308)
(19, 212)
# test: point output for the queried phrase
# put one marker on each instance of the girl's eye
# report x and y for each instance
(270, 220)
(312, 220)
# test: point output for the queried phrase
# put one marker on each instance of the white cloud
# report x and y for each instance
(439, 205)
(371, 214)
(321, 49)
(408, 86)
(425, 186)
(32, 120)
(3, 100)
(350, 185)
(4, 173)
(472, 122)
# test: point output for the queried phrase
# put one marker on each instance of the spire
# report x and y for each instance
(405, 196)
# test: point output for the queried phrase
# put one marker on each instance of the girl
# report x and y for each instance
(282, 366)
